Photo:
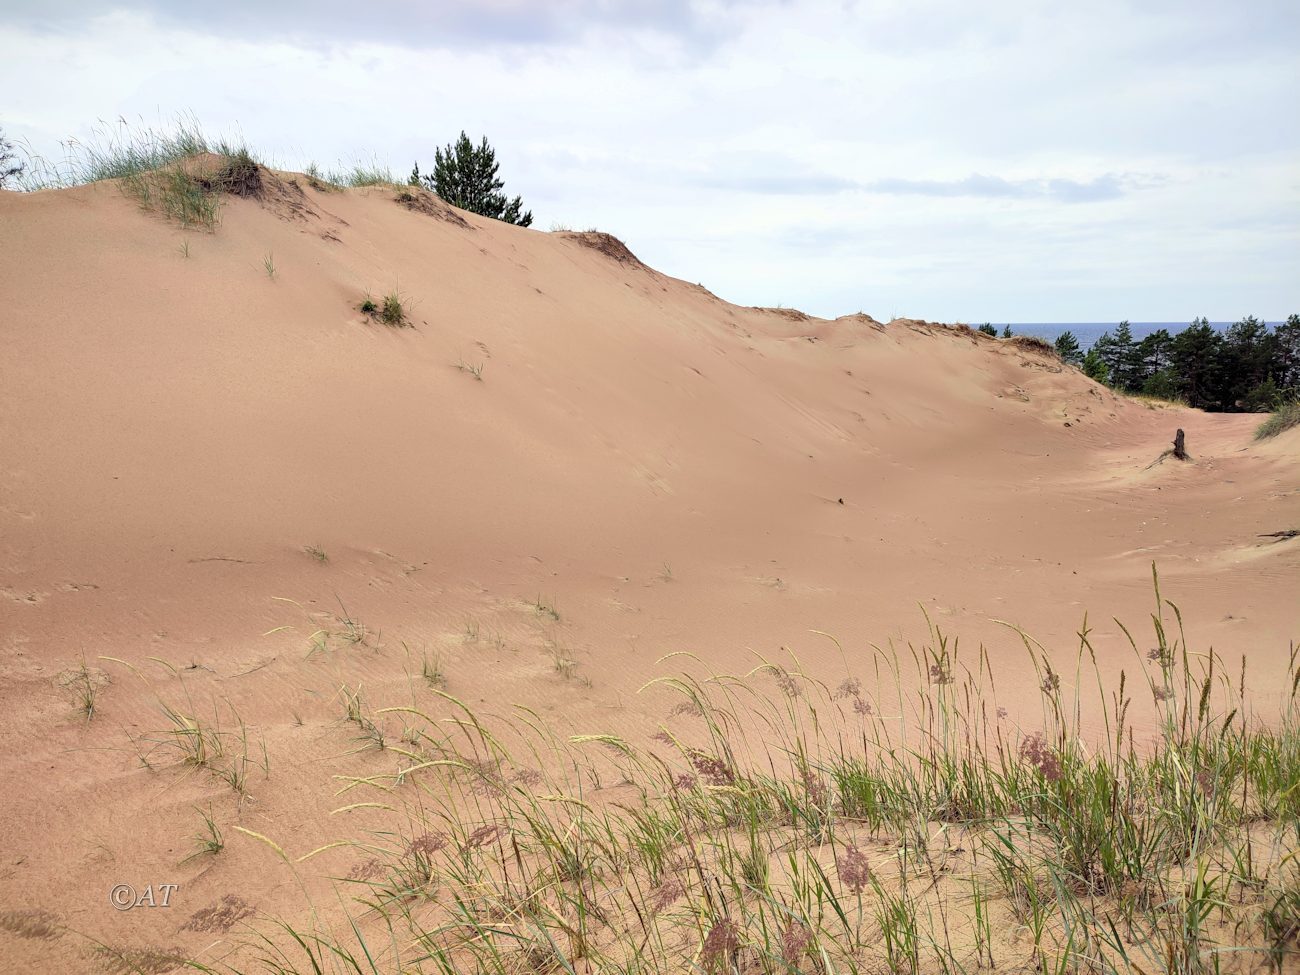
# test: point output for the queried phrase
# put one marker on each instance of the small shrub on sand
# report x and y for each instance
(390, 310)
(1284, 417)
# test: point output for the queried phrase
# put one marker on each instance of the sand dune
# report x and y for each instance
(568, 466)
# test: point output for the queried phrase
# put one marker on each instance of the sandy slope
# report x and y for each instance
(669, 472)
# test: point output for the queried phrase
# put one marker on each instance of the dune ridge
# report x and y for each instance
(230, 493)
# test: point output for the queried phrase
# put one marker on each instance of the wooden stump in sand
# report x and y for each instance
(1179, 450)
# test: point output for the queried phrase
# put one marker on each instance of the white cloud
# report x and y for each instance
(1009, 162)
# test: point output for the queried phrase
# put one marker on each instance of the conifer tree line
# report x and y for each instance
(1251, 367)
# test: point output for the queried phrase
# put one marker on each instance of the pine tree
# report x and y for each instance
(1067, 347)
(1197, 362)
(465, 175)
(1286, 356)
(1249, 350)
(1006, 332)
(989, 329)
(1154, 353)
(1094, 366)
(1120, 353)
(1162, 384)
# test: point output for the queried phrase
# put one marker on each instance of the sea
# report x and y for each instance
(1088, 332)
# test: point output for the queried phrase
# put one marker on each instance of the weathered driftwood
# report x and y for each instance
(1179, 450)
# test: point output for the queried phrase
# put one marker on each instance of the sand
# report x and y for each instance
(639, 468)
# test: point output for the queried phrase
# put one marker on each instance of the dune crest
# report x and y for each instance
(226, 484)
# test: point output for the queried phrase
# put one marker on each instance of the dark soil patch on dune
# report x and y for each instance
(422, 201)
(607, 244)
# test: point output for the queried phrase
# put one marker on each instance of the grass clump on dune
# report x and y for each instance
(158, 168)
(898, 821)
(1284, 417)
(359, 175)
(390, 310)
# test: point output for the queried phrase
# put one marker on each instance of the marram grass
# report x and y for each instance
(152, 166)
(898, 821)
(1286, 416)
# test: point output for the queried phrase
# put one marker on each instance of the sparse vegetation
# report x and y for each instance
(904, 824)
(432, 670)
(204, 744)
(546, 607)
(83, 684)
(562, 661)
(160, 169)
(11, 167)
(1284, 417)
(208, 841)
(474, 369)
(361, 175)
(268, 265)
(371, 733)
(1159, 402)
(342, 629)
(1142, 820)
(351, 630)
(318, 181)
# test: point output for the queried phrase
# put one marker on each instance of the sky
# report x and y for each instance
(939, 159)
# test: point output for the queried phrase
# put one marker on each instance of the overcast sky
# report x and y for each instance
(958, 161)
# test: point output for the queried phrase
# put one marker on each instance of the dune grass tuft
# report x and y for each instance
(1283, 418)
(474, 369)
(204, 744)
(393, 313)
(155, 167)
(209, 840)
(357, 175)
(83, 685)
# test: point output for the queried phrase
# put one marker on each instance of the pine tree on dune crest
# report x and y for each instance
(465, 176)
